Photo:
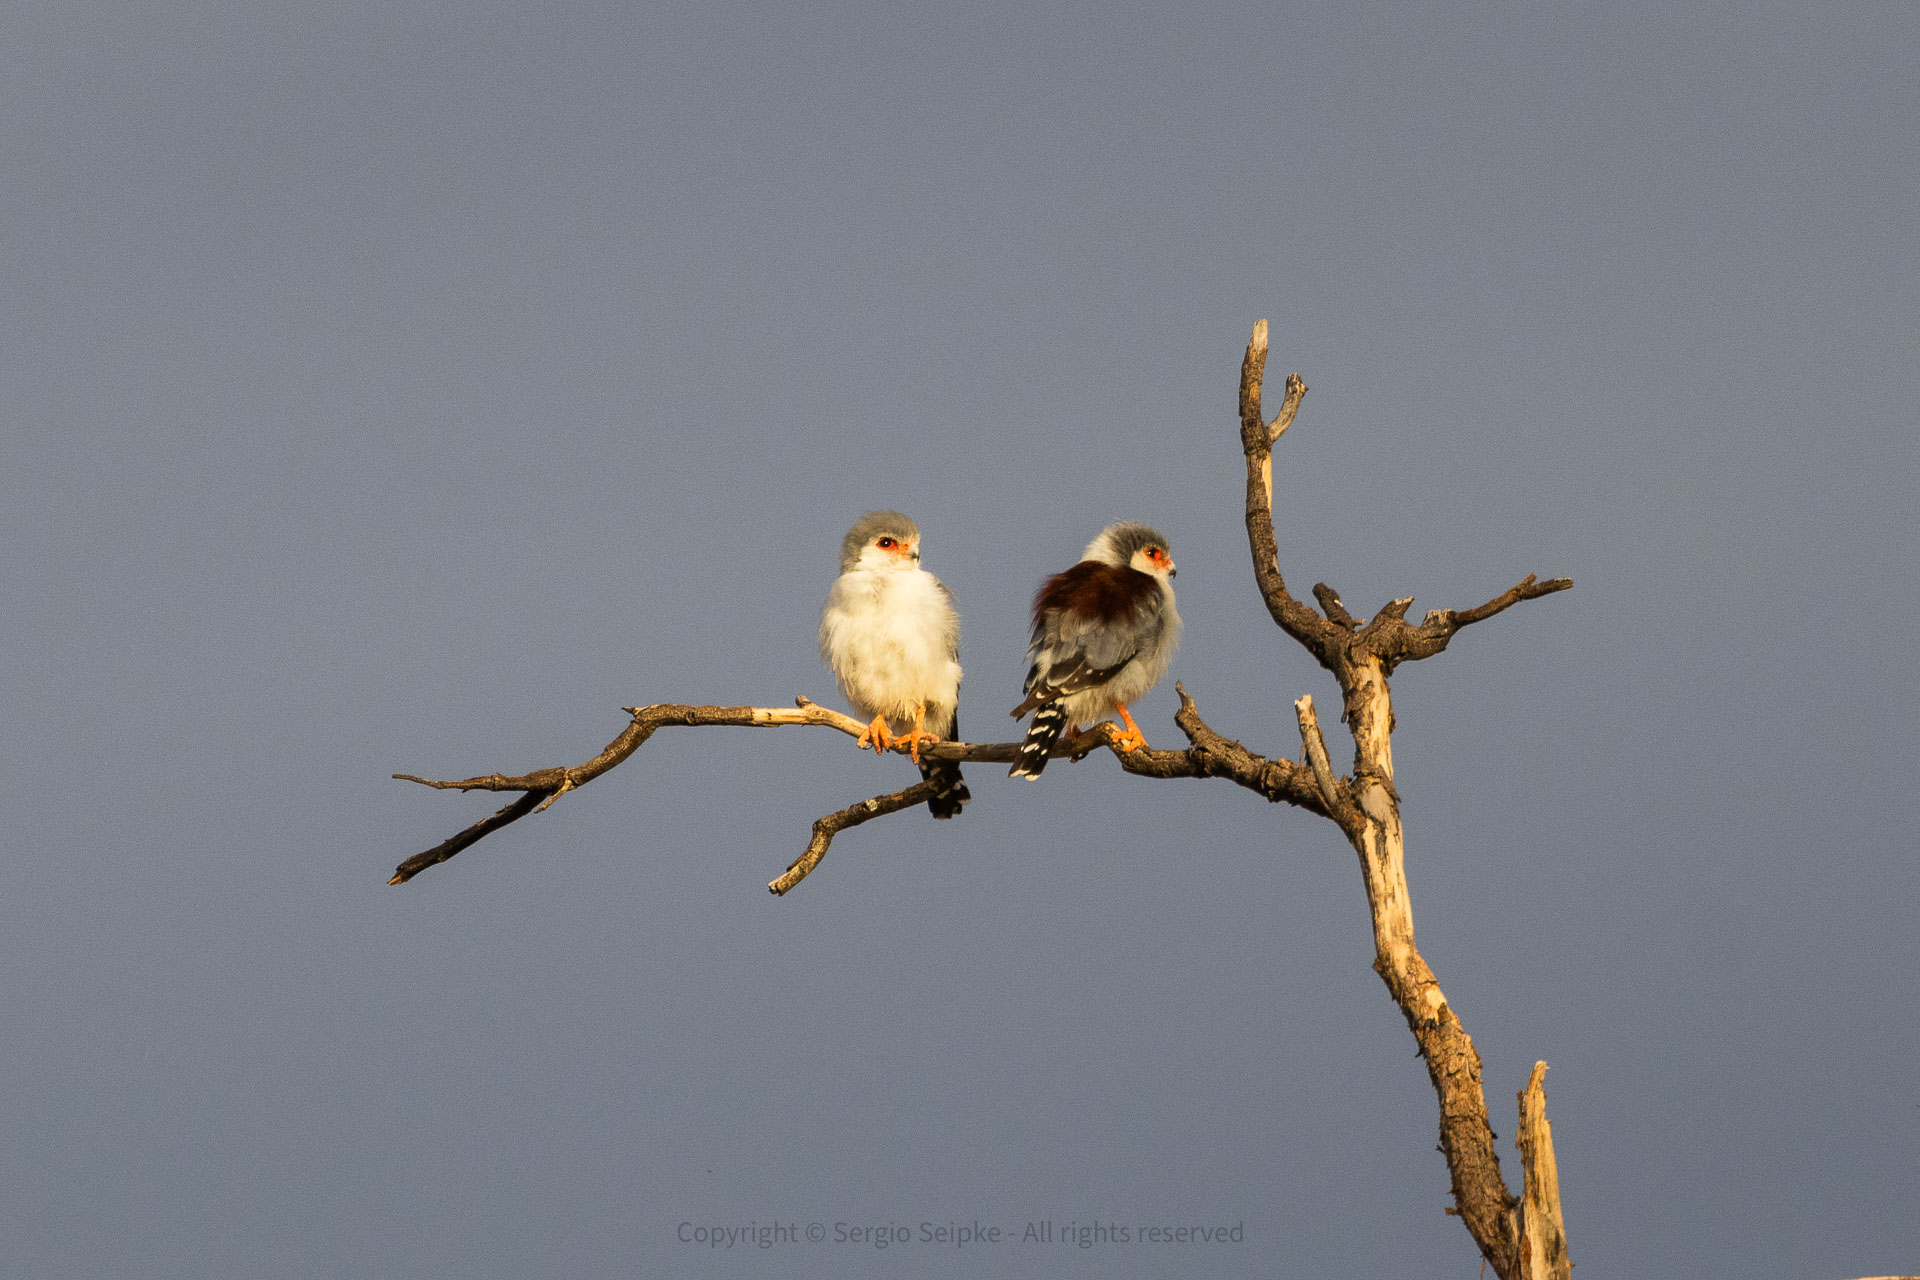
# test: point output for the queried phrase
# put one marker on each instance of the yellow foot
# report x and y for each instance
(914, 738)
(918, 732)
(876, 736)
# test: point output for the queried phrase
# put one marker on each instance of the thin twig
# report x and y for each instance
(1334, 607)
(1289, 405)
(1395, 640)
(1316, 746)
(446, 849)
(1296, 618)
(825, 829)
(1527, 589)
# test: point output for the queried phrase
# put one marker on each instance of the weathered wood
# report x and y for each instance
(1543, 1233)
(1314, 743)
(1209, 756)
(825, 829)
(1298, 620)
(1361, 657)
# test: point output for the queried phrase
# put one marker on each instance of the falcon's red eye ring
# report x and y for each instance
(885, 544)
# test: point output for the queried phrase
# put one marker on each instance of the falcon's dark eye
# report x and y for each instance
(885, 544)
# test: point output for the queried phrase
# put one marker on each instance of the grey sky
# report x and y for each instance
(408, 386)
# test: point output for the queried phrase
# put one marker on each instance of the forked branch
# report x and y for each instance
(1257, 437)
(1361, 656)
(543, 786)
(1209, 756)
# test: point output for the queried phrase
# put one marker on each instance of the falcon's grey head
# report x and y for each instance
(886, 531)
(1133, 546)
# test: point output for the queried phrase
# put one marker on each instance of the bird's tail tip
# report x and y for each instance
(1048, 721)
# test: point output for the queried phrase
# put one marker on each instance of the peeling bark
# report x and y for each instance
(1543, 1233)
(1361, 657)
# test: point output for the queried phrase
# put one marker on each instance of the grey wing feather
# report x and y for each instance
(1076, 652)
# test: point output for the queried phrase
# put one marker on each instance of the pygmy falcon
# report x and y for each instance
(1104, 633)
(892, 636)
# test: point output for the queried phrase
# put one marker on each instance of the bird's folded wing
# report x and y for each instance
(1074, 650)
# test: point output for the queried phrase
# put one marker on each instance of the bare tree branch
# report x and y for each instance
(1395, 640)
(1332, 605)
(1256, 441)
(1361, 658)
(1527, 589)
(1316, 748)
(825, 829)
(1543, 1232)
(1211, 756)
(447, 848)
(1281, 781)
(544, 786)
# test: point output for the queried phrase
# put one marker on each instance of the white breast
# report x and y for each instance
(892, 638)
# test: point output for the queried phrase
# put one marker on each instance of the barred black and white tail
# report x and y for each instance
(953, 793)
(1048, 721)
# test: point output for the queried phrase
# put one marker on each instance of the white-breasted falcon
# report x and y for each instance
(892, 636)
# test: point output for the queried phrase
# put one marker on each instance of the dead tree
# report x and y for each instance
(1521, 1237)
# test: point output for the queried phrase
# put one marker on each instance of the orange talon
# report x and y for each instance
(1129, 739)
(876, 736)
(919, 732)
